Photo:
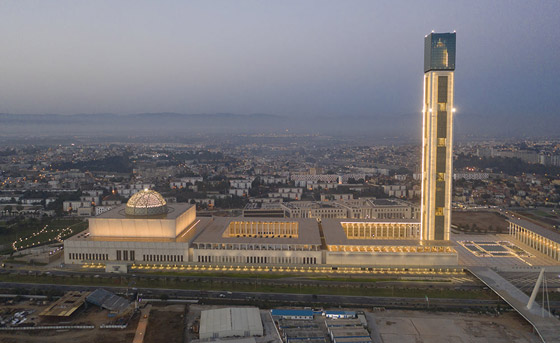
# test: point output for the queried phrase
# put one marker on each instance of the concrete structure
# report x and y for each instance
(313, 209)
(545, 324)
(262, 209)
(537, 237)
(259, 241)
(363, 208)
(349, 334)
(369, 208)
(437, 136)
(119, 240)
(292, 314)
(383, 243)
(117, 223)
(340, 314)
(397, 191)
(230, 322)
(115, 236)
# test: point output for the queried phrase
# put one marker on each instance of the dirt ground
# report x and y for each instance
(417, 327)
(91, 315)
(483, 220)
(166, 324)
(90, 336)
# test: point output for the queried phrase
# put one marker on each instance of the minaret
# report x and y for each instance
(437, 135)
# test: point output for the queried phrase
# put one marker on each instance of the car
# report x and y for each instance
(222, 295)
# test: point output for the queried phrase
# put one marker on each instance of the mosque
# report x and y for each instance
(149, 231)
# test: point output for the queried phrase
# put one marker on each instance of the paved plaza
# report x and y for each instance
(498, 251)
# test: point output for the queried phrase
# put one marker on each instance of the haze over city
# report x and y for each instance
(279, 171)
(319, 59)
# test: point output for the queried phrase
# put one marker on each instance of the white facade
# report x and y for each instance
(241, 184)
(115, 224)
(437, 154)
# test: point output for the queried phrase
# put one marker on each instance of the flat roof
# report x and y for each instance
(308, 232)
(234, 319)
(66, 305)
(335, 235)
(353, 313)
(185, 236)
(386, 202)
(555, 236)
(174, 211)
(264, 206)
(282, 312)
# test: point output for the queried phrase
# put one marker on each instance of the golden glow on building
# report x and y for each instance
(287, 229)
(381, 230)
(437, 137)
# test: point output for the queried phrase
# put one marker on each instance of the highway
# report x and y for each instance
(280, 298)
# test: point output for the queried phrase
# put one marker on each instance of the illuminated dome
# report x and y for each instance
(146, 203)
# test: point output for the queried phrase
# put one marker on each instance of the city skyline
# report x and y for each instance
(286, 59)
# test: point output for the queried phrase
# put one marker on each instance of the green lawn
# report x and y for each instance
(277, 275)
(249, 286)
(60, 229)
(26, 228)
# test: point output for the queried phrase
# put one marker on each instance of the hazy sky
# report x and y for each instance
(325, 58)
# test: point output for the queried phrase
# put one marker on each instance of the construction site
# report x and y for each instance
(97, 316)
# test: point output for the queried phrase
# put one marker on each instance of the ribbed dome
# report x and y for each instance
(146, 203)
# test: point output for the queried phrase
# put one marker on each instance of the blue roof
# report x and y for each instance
(301, 313)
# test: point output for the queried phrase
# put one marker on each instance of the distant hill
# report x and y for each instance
(154, 126)
(166, 124)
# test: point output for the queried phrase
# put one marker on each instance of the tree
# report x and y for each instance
(475, 227)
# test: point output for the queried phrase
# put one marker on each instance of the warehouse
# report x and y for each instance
(230, 322)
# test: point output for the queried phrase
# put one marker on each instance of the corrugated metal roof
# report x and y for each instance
(107, 300)
(234, 319)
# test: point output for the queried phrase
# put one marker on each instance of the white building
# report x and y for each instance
(147, 231)
(185, 181)
(398, 191)
(230, 322)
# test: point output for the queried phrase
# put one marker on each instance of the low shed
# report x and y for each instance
(230, 322)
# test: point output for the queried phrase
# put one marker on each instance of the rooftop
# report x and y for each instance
(308, 231)
(173, 212)
(335, 235)
(552, 235)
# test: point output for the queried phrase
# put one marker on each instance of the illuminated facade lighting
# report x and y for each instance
(437, 135)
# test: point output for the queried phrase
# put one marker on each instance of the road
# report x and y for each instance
(142, 325)
(279, 298)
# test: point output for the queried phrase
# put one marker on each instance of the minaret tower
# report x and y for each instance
(437, 135)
